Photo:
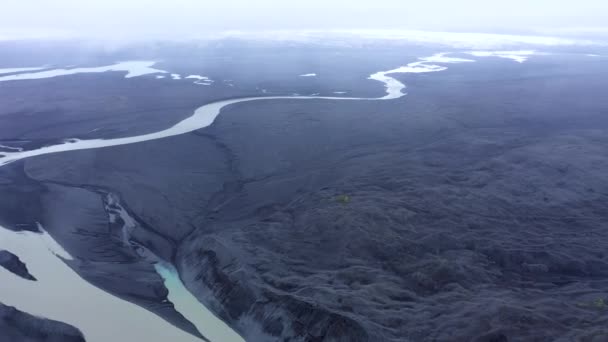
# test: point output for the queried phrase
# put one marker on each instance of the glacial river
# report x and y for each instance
(60, 294)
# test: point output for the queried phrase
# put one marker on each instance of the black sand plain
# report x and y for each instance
(472, 209)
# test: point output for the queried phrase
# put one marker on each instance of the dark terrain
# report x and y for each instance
(472, 209)
(22, 327)
(12, 263)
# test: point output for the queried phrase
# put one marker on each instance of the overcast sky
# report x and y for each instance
(115, 19)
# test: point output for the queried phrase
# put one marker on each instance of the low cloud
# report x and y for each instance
(182, 19)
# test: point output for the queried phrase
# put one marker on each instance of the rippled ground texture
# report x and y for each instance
(472, 209)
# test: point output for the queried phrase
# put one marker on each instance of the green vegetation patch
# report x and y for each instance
(343, 199)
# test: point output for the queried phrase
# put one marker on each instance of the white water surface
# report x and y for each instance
(201, 80)
(394, 88)
(13, 70)
(60, 294)
(198, 77)
(132, 69)
(308, 75)
(443, 58)
(11, 148)
(519, 56)
(206, 114)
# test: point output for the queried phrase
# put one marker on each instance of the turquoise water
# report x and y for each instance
(185, 303)
(61, 294)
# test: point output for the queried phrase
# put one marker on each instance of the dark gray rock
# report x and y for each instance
(17, 326)
(12, 263)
